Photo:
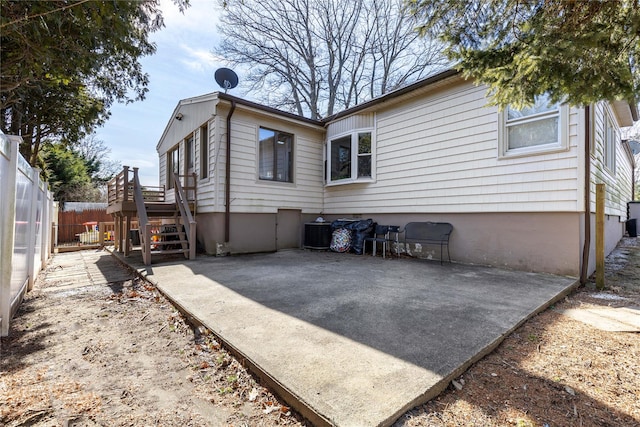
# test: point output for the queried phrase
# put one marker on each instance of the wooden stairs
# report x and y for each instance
(165, 227)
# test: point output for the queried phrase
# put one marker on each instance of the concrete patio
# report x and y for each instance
(353, 340)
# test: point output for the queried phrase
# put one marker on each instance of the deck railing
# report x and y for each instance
(120, 188)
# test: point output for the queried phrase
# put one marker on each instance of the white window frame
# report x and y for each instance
(562, 143)
(354, 134)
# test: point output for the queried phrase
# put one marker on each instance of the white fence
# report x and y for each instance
(26, 213)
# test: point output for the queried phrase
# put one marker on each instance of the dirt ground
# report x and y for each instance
(121, 355)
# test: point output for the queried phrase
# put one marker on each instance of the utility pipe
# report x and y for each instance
(587, 195)
(227, 178)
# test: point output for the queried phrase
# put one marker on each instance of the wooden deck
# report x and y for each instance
(129, 200)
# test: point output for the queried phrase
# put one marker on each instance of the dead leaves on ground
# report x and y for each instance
(29, 396)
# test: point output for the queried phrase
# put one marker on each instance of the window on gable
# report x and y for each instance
(610, 142)
(350, 157)
(276, 155)
(532, 130)
(173, 164)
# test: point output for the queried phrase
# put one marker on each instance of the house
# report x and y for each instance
(514, 184)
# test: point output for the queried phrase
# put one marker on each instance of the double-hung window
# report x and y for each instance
(540, 128)
(350, 157)
(275, 155)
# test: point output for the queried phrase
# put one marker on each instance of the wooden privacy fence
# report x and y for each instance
(72, 224)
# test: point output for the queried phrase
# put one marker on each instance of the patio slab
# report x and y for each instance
(353, 340)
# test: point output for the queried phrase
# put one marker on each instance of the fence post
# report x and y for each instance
(46, 225)
(31, 239)
(55, 222)
(44, 219)
(8, 230)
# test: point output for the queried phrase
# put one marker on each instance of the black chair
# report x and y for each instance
(380, 235)
(395, 229)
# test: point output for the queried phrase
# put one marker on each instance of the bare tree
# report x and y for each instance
(315, 57)
(95, 154)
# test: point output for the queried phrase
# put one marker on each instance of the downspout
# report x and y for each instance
(587, 196)
(227, 178)
(633, 179)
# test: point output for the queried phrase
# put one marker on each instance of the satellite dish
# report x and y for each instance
(226, 78)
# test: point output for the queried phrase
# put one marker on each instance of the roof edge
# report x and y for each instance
(634, 111)
(251, 104)
(394, 94)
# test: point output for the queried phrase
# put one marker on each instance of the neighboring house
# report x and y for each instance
(514, 184)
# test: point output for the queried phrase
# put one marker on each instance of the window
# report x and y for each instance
(341, 158)
(610, 139)
(190, 153)
(345, 151)
(173, 164)
(276, 155)
(537, 129)
(364, 155)
(204, 151)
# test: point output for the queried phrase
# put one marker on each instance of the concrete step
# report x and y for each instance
(169, 251)
(169, 242)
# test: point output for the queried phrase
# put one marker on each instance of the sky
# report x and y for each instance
(182, 67)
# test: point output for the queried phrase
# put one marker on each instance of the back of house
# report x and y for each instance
(514, 184)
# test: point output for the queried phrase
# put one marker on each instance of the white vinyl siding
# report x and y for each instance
(252, 195)
(610, 164)
(348, 124)
(206, 187)
(195, 112)
(249, 194)
(440, 154)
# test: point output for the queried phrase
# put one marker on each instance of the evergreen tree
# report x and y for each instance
(63, 64)
(68, 175)
(577, 51)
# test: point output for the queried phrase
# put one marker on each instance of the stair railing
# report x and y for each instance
(189, 223)
(143, 220)
(119, 187)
